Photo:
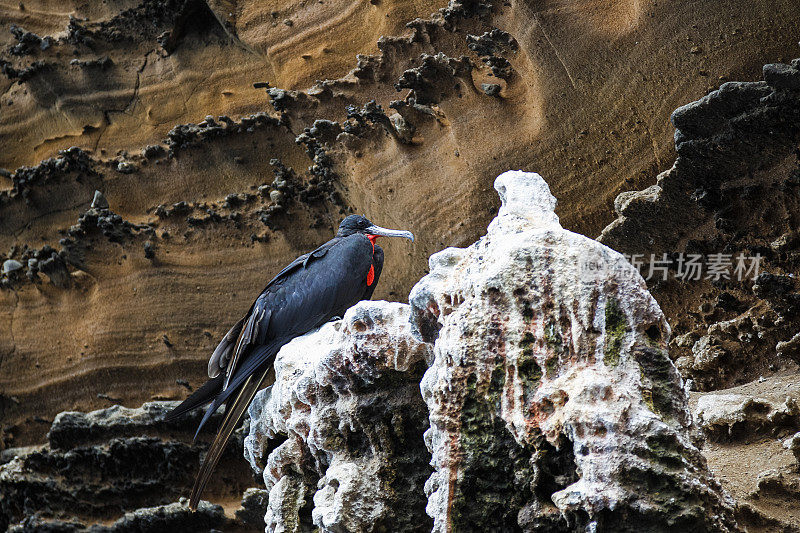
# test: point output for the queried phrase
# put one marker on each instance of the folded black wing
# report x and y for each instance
(307, 293)
(308, 297)
(256, 320)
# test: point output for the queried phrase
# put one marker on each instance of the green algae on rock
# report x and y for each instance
(602, 440)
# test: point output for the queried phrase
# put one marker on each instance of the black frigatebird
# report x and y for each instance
(309, 291)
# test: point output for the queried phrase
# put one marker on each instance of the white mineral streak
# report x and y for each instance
(530, 289)
(333, 385)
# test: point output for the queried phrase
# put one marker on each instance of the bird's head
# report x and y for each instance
(360, 224)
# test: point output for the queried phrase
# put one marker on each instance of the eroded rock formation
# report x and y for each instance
(752, 446)
(552, 401)
(346, 403)
(732, 191)
(158, 96)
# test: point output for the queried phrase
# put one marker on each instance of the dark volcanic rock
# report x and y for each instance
(71, 162)
(73, 428)
(490, 46)
(165, 518)
(435, 77)
(254, 506)
(100, 464)
(184, 136)
(731, 196)
(95, 480)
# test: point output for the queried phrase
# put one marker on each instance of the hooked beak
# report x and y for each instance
(383, 232)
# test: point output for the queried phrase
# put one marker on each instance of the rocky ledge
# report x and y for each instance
(552, 404)
(119, 470)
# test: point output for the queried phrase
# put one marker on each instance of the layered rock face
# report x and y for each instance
(552, 401)
(157, 99)
(125, 468)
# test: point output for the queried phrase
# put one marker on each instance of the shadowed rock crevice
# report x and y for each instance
(496, 473)
(731, 191)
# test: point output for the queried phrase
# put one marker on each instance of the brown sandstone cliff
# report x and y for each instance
(585, 93)
(212, 184)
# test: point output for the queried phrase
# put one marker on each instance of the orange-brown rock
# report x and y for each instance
(580, 92)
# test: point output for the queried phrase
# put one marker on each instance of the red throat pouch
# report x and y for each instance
(370, 276)
(372, 239)
(371, 273)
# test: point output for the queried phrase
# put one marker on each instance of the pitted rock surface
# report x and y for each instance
(347, 402)
(553, 402)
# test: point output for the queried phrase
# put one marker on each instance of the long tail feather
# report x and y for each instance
(233, 416)
(206, 417)
(226, 393)
(201, 396)
(261, 355)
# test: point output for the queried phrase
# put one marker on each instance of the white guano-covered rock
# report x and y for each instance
(553, 403)
(347, 397)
